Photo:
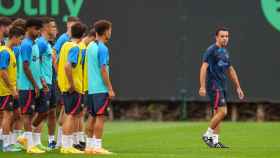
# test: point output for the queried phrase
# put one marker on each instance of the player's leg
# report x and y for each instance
(52, 117)
(60, 110)
(41, 109)
(101, 102)
(26, 99)
(220, 113)
(72, 105)
(6, 103)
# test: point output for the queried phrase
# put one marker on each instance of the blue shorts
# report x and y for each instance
(97, 104)
(29, 103)
(72, 103)
(218, 98)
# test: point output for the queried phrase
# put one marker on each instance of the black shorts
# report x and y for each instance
(72, 103)
(218, 98)
(7, 103)
(97, 103)
(29, 103)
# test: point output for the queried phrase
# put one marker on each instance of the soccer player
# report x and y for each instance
(79, 136)
(31, 85)
(100, 89)
(69, 77)
(65, 37)
(45, 50)
(8, 90)
(216, 64)
(18, 124)
(5, 22)
(4, 30)
(54, 93)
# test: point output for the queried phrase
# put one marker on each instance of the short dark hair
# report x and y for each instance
(34, 22)
(92, 33)
(221, 29)
(16, 31)
(102, 26)
(73, 19)
(47, 20)
(78, 30)
(19, 22)
(5, 21)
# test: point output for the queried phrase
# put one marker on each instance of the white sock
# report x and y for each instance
(59, 136)
(29, 137)
(209, 133)
(1, 133)
(36, 139)
(215, 138)
(81, 137)
(75, 138)
(17, 132)
(98, 143)
(51, 138)
(89, 143)
(67, 141)
(13, 138)
(6, 140)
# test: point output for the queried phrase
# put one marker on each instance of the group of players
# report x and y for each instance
(42, 76)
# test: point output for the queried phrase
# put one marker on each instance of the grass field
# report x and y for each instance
(181, 140)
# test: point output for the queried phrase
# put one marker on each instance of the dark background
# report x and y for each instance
(157, 45)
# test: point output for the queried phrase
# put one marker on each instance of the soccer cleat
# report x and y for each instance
(17, 145)
(70, 150)
(90, 151)
(208, 141)
(35, 150)
(11, 148)
(83, 145)
(52, 145)
(102, 151)
(42, 147)
(79, 147)
(219, 145)
(22, 141)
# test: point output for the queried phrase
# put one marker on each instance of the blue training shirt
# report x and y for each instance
(29, 52)
(219, 62)
(98, 56)
(45, 50)
(59, 43)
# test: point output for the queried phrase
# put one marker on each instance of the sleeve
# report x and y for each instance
(103, 56)
(42, 46)
(16, 50)
(73, 55)
(206, 56)
(4, 60)
(26, 52)
(58, 44)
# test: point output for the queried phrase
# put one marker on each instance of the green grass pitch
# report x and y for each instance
(181, 140)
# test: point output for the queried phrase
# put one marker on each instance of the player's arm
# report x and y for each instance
(42, 45)
(4, 63)
(72, 62)
(26, 51)
(234, 78)
(54, 58)
(202, 78)
(102, 57)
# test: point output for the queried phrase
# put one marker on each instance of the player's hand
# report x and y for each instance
(240, 93)
(37, 91)
(15, 93)
(112, 94)
(72, 89)
(202, 91)
(45, 87)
